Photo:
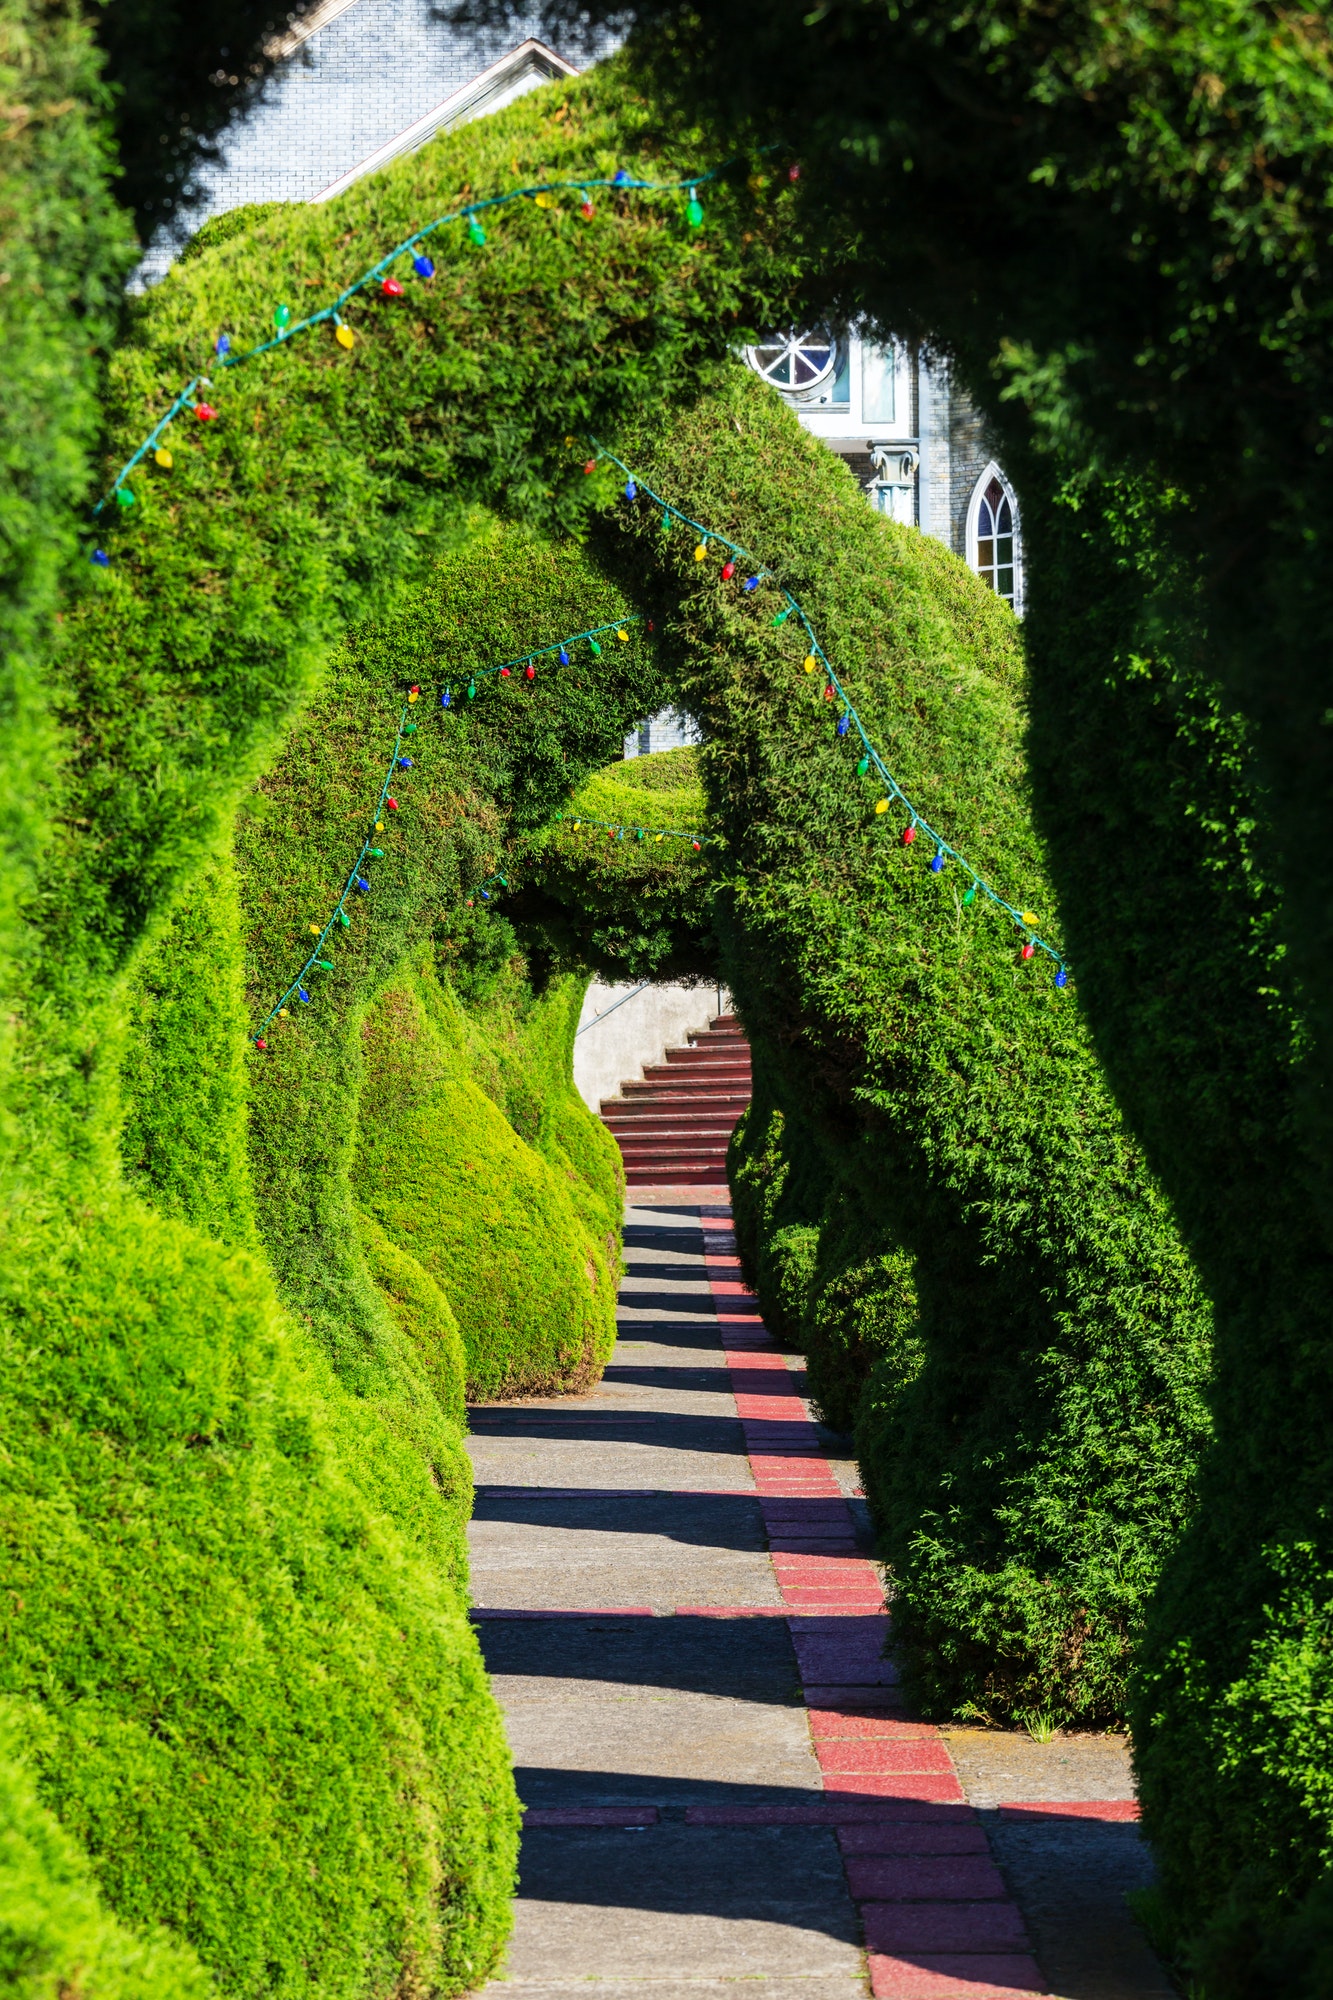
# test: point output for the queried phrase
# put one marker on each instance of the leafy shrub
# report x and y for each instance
(56, 1938)
(448, 1178)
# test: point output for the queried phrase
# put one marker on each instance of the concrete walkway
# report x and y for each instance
(722, 1784)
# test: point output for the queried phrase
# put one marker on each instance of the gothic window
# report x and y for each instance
(992, 537)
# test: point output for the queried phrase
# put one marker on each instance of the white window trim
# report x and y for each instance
(993, 471)
(524, 68)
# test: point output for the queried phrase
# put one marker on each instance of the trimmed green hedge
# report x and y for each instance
(56, 1938)
(829, 1283)
(625, 906)
(446, 1176)
(1041, 1461)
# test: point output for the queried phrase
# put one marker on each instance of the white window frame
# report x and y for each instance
(993, 471)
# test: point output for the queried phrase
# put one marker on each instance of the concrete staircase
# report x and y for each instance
(673, 1123)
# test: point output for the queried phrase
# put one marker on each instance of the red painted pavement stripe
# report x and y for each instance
(939, 1925)
(952, 1976)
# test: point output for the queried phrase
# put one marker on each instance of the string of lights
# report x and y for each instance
(848, 720)
(358, 881)
(617, 831)
(541, 193)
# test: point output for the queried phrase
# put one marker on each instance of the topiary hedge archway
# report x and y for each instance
(248, 1427)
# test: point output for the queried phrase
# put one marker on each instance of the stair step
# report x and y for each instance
(674, 1123)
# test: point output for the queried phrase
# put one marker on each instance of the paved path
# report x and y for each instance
(721, 1781)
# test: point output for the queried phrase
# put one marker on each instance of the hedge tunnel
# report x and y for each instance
(246, 1287)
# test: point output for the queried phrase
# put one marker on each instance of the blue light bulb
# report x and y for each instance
(842, 725)
(631, 490)
(937, 863)
(564, 657)
(101, 558)
(752, 583)
(362, 883)
(619, 178)
(222, 345)
(404, 763)
(301, 994)
(1062, 977)
(423, 267)
(446, 698)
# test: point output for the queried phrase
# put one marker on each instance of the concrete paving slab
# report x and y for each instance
(996, 1765)
(707, 1902)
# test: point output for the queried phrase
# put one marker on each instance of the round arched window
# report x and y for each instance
(795, 361)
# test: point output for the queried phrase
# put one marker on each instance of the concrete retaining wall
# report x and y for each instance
(615, 1041)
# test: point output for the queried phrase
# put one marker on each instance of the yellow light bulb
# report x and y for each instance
(164, 458)
(623, 634)
(414, 694)
(544, 200)
(810, 663)
(882, 806)
(701, 552)
(314, 930)
(1031, 917)
(379, 826)
(282, 1013)
(660, 836)
(345, 337)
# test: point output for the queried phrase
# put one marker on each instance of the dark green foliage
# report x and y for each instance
(449, 1179)
(1043, 1455)
(862, 1316)
(777, 1193)
(816, 1254)
(1232, 1675)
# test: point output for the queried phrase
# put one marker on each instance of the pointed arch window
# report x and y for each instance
(993, 545)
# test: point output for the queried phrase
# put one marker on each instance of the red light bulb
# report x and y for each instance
(205, 412)
(391, 289)
(909, 835)
(531, 672)
(392, 804)
(1029, 948)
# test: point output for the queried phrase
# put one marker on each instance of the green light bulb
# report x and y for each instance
(862, 767)
(970, 895)
(124, 496)
(694, 214)
(476, 232)
(281, 317)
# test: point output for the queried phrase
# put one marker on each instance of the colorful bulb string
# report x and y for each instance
(358, 881)
(815, 659)
(618, 830)
(463, 688)
(286, 328)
